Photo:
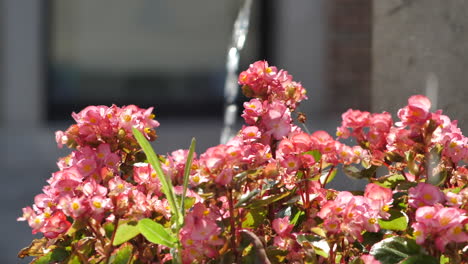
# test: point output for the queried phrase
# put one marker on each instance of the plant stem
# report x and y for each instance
(233, 225)
(109, 251)
(328, 175)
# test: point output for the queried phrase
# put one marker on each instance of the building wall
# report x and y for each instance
(348, 64)
(421, 47)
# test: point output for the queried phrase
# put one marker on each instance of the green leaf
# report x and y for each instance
(438, 179)
(297, 217)
(354, 172)
(269, 200)
(246, 197)
(395, 249)
(125, 231)
(254, 218)
(189, 202)
(188, 167)
(77, 225)
(122, 255)
(319, 231)
(74, 260)
(328, 175)
(444, 259)
(156, 233)
(166, 183)
(394, 157)
(314, 153)
(370, 238)
(390, 181)
(357, 261)
(321, 248)
(109, 229)
(307, 239)
(319, 244)
(56, 255)
(418, 259)
(397, 221)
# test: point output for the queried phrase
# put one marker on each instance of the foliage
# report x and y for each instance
(263, 196)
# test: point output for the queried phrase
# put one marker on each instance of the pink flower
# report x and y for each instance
(355, 119)
(453, 199)
(277, 120)
(416, 113)
(98, 206)
(332, 225)
(55, 225)
(426, 215)
(369, 259)
(250, 133)
(74, 207)
(200, 225)
(425, 194)
(443, 224)
(224, 177)
(420, 232)
(322, 141)
(456, 147)
(282, 226)
(376, 192)
(258, 79)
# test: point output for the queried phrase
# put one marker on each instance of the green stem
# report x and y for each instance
(233, 225)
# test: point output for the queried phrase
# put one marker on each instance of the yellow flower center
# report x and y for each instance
(444, 221)
(429, 216)
(457, 230)
(97, 204)
(75, 206)
(386, 208)
(427, 196)
(196, 178)
(87, 168)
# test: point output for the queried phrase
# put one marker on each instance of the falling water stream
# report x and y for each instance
(231, 89)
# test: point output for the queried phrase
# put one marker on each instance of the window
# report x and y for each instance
(149, 53)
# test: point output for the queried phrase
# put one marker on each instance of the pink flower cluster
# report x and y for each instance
(268, 180)
(275, 95)
(434, 222)
(270, 84)
(200, 235)
(417, 126)
(366, 127)
(88, 184)
(112, 125)
(222, 162)
(440, 224)
(350, 214)
(285, 239)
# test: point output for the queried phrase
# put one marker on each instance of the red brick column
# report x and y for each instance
(348, 64)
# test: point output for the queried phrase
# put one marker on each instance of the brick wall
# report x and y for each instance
(348, 63)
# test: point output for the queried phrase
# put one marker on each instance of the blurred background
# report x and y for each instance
(57, 57)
